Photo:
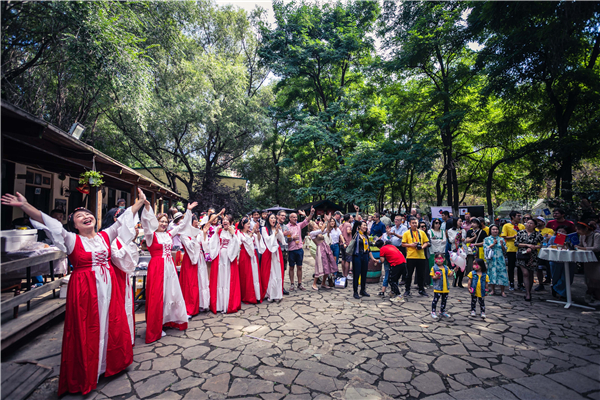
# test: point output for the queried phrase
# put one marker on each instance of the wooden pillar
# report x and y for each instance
(95, 202)
(134, 194)
(154, 204)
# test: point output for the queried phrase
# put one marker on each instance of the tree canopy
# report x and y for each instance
(381, 104)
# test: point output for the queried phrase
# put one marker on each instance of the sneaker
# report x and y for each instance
(483, 315)
(522, 288)
(539, 288)
(285, 292)
(300, 287)
(423, 294)
(433, 315)
(365, 294)
(349, 278)
(163, 334)
(512, 287)
(292, 288)
(445, 315)
(381, 294)
(407, 294)
(473, 314)
(396, 299)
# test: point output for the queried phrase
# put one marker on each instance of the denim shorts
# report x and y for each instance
(295, 257)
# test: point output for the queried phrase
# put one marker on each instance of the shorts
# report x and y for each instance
(295, 257)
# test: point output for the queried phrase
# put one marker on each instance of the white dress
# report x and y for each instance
(227, 248)
(271, 244)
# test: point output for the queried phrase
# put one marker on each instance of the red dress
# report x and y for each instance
(249, 270)
(225, 293)
(125, 259)
(164, 301)
(81, 360)
(188, 280)
(271, 266)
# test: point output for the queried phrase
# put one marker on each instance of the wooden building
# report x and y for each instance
(43, 163)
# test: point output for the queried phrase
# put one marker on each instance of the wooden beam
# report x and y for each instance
(17, 265)
(16, 329)
(31, 294)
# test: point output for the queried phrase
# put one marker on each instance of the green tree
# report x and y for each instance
(318, 53)
(552, 49)
(431, 40)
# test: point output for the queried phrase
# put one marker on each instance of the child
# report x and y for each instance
(476, 277)
(439, 273)
(557, 269)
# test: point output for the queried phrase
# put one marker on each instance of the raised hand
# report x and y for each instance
(357, 208)
(191, 206)
(14, 201)
(312, 210)
(301, 212)
(222, 212)
(141, 195)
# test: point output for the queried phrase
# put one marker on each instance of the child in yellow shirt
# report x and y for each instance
(477, 289)
(440, 273)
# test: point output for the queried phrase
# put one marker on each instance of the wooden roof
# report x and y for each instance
(32, 141)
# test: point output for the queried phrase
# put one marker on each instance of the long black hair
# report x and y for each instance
(268, 224)
(356, 226)
(109, 218)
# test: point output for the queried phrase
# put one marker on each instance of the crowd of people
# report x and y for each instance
(226, 263)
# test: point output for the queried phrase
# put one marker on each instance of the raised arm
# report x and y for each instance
(19, 201)
(186, 224)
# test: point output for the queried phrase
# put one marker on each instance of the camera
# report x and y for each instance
(419, 247)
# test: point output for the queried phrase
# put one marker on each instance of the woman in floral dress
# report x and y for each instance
(496, 266)
(529, 241)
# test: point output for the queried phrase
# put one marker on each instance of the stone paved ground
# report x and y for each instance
(328, 345)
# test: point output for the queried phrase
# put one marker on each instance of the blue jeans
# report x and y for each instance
(360, 265)
(559, 280)
(335, 249)
(386, 267)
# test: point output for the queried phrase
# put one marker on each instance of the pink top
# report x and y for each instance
(296, 230)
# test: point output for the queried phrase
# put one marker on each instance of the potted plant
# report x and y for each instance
(93, 178)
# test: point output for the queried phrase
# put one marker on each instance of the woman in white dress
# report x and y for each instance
(271, 263)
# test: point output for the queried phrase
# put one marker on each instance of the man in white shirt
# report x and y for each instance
(395, 233)
(255, 219)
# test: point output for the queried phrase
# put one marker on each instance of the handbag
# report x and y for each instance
(489, 253)
(350, 247)
(472, 249)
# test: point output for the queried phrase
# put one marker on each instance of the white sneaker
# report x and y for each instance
(433, 315)
(483, 315)
(473, 314)
(163, 334)
(189, 316)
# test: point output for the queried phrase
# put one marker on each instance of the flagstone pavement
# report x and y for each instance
(325, 344)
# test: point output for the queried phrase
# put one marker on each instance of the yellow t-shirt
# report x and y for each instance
(478, 288)
(444, 280)
(486, 229)
(509, 230)
(411, 237)
(547, 231)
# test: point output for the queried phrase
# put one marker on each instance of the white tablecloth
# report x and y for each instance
(567, 255)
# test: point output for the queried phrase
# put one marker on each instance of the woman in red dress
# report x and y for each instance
(249, 271)
(224, 249)
(165, 306)
(193, 276)
(271, 263)
(96, 337)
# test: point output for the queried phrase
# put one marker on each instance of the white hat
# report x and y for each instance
(177, 215)
(541, 219)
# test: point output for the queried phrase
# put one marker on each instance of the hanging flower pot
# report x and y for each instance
(93, 178)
